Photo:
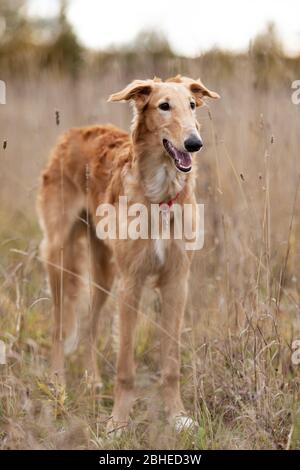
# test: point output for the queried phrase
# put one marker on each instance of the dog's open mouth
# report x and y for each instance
(182, 160)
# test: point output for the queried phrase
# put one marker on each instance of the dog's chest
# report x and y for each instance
(160, 250)
(163, 183)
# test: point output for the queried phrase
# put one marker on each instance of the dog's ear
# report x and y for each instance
(138, 90)
(198, 89)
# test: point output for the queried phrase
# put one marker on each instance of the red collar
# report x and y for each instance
(171, 201)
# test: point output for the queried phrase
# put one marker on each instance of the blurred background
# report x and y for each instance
(68, 56)
(60, 61)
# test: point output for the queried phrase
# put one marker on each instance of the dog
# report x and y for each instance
(155, 164)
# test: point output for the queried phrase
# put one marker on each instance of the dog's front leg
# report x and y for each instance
(173, 296)
(129, 296)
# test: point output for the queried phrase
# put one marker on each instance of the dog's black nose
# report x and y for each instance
(193, 143)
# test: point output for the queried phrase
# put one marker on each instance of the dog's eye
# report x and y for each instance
(164, 106)
(193, 105)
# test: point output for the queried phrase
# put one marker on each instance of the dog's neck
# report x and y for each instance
(161, 181)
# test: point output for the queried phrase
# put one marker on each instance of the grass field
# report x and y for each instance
(238, 379)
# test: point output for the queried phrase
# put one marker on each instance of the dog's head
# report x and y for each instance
(168, 111)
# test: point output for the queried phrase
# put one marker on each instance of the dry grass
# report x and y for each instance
(238, 379)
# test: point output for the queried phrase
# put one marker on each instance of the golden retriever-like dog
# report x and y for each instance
(155, 164)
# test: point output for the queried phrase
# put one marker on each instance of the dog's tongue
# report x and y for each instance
(184, 159)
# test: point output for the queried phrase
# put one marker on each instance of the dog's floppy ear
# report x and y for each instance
(138, 90)
(198, 89)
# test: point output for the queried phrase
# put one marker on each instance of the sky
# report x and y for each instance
(192, 26)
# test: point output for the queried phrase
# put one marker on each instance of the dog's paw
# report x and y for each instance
(93, 382)
(184, 423)
(96, 386)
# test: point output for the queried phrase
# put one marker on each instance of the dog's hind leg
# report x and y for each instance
(102, 274)
(62, 229)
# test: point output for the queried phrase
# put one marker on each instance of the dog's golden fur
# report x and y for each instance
(98, 164)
